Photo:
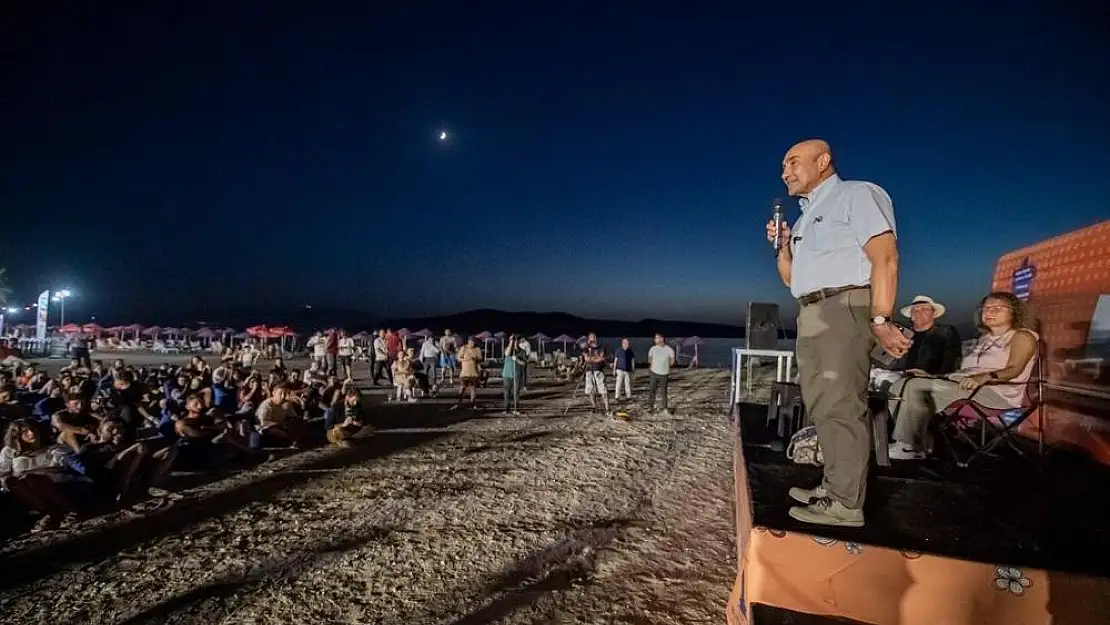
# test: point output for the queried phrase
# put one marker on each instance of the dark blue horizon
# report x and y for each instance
(612, 162)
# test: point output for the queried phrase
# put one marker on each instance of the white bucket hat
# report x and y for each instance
(919, 300)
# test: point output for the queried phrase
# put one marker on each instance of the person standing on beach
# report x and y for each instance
(840, 261)
(522, 371)
(447, 360)
(393, 344)
(661, 358)
(448, 346)
(470, 359)
(381, 359)
(429, 357)
(346, 354)
(624, 365)
(319, 350)
(593, 355)
(510, 375)
(81, 350)
(331, 353)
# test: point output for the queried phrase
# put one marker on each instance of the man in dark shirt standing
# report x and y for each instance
(936, 348)
(624, 364)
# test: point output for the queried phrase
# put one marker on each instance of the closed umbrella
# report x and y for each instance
(540, 338)
(485, 337)
(676, 344)
(694, 341)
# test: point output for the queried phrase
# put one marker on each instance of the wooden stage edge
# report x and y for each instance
(788, 577)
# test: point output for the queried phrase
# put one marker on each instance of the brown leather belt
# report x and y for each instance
(823, 294)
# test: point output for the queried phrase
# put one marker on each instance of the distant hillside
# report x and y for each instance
(472, 321)
(300, 318)
(554, 323)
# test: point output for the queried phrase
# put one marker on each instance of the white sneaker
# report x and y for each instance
(902, 451)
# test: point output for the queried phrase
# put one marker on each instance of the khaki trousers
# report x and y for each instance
(834, 346)
(924, 397)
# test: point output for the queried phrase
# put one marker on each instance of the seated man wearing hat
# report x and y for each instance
(936, 348)
(936, 351)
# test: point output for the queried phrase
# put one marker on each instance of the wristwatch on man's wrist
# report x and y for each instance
(879, 320)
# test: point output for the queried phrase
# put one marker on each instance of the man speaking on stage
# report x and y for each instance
(840, 261)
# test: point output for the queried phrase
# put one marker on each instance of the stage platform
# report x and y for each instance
(1011, 542)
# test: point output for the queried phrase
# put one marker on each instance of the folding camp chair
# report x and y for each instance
(969, 425)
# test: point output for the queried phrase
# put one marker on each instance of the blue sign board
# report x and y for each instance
(1022, 284)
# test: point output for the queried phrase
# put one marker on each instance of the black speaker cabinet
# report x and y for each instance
(763, 326)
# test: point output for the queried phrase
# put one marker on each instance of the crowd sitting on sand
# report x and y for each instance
(97, 437)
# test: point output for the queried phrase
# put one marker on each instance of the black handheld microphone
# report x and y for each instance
(778, 215)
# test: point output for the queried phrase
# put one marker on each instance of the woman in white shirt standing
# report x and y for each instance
(346, 353)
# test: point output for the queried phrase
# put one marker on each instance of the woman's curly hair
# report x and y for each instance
(1021, 317)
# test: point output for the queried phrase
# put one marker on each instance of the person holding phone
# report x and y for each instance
(511, 375)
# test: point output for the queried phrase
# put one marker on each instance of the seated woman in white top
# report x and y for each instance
(1005, 352)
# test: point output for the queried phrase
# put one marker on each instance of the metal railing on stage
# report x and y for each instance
(784, 370)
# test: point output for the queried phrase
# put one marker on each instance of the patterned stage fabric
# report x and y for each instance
(815, 575)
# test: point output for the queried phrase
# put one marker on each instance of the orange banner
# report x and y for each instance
(1066, 280)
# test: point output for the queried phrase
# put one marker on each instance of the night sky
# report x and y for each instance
(606, 159)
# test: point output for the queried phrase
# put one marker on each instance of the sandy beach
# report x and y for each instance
(452, 517)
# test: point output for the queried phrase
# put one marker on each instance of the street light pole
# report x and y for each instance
(61, 297)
